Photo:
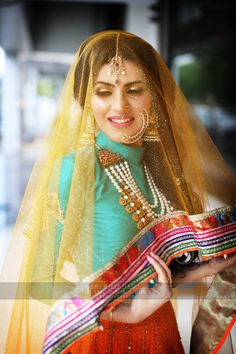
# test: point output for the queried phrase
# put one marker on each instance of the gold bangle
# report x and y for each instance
(111, 314)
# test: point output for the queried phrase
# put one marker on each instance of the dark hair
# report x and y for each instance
(103, 47)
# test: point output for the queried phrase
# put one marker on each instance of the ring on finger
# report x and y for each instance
(165, 281)
(152, 283)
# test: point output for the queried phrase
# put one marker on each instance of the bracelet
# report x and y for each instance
(111, 314)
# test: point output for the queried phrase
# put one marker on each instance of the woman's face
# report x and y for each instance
(117, 103)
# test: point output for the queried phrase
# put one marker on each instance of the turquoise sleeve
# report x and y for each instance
(66, 173)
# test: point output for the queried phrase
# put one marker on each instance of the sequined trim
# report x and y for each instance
(212, 212)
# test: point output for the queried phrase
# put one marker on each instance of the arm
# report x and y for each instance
(147, 300)
(198, 271)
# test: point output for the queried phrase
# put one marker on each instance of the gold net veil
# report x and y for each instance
(53, 238)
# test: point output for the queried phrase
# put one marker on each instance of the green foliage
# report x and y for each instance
(221, 69)
(194, 81)
(46, 87)
(211, 76)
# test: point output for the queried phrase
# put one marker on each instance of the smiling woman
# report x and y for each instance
(122, 193)
(118, 103)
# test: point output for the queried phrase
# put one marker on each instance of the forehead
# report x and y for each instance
(133, 72)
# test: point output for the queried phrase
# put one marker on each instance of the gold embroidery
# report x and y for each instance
(211, 212)
(28, 228)
(108, 158)
(52, 209)
(88, 136)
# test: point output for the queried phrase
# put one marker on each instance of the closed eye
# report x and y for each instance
(102, 92)
(135, 91)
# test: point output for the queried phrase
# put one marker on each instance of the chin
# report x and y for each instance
(116, 138)
(113, 135)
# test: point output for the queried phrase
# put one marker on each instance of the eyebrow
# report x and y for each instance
(127, 84)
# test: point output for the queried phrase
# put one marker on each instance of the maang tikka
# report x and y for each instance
(116, 66)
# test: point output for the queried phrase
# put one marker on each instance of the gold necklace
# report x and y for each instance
(131, 197)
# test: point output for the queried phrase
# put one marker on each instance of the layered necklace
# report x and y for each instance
(131, 197)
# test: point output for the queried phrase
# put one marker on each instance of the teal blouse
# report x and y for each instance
(113, 226)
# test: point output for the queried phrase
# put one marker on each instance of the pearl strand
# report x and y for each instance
(120, 174)
(156, 193)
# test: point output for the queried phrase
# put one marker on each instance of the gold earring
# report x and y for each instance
(151, 133)
(126, 139)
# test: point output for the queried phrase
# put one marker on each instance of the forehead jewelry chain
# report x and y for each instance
(116, 66)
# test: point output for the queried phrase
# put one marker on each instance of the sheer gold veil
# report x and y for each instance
(53, 236)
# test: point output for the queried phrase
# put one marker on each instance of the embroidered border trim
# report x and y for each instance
(212, 234)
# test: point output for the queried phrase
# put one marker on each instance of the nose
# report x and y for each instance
(120, 103)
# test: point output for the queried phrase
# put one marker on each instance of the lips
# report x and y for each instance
(121, 122)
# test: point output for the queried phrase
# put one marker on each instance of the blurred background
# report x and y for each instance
(38, 40)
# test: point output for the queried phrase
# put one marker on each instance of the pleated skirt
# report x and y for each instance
(158, 334)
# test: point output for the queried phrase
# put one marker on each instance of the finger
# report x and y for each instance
(225, 259)
(164, 268)
(163, 276)
(230, 257)
(158, 259)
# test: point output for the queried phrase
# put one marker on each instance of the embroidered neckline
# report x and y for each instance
(134, 155)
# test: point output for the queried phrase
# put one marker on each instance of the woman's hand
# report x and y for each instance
(147, 300)
(205, 269)
(219, 264)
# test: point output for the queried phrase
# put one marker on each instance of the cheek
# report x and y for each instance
(99, 111)
(139, 105)
(98, 106)
(148, 103)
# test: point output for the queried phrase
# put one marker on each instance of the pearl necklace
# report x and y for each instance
(119, 173)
